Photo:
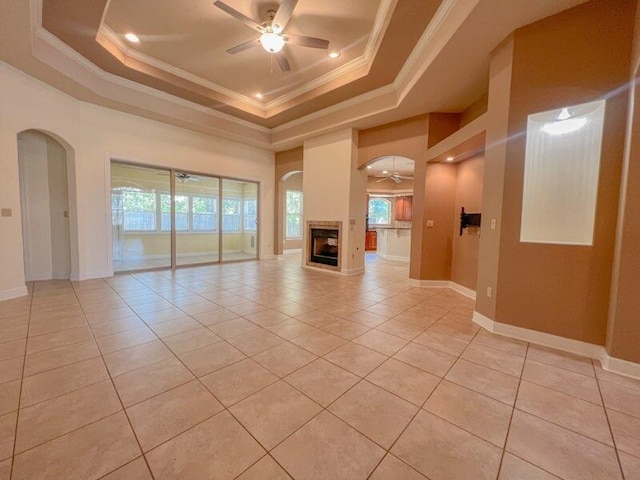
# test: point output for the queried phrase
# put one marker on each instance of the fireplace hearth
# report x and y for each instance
(324, 244)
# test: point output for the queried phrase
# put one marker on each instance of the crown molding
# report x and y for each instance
(381, 21)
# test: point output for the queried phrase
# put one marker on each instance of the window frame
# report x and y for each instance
(389, 210)
(297, 214)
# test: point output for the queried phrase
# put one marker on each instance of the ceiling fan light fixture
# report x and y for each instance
(272, 42)
(384, 172)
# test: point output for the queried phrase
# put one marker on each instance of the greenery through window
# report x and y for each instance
(139, 208)
(204, 214)
(379, 211)
(293, 207)
(230, 215)
(250, 215)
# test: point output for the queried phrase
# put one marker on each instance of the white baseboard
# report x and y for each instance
(287, 251)
(352, 271)
(590, 350)
(91, 275)
(268, 256)
(395, 258)
(13, 293)
(467, 292)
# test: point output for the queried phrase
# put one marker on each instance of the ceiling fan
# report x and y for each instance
(393, 175)
(396, 177)
(271, 36)
(182, 177)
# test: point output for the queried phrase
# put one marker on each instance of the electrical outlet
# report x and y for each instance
(7, 212)
(429, 223)
(489, 292)
(493, 224)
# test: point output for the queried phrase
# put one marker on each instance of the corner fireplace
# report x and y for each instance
(324, 244)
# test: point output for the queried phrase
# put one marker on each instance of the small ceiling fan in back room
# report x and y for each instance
(393, 175)
(272, 36)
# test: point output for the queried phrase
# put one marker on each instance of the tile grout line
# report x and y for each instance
(420, 408)
(24, 360)
(606, 413)
(513, 409)
(104, 364)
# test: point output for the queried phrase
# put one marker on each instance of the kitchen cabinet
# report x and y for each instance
(404, 209)
(371, 241)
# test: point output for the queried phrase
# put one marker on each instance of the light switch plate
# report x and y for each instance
(7, 212)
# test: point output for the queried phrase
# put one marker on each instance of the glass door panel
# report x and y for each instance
(196, 218)
(239, 220)
(141, 234)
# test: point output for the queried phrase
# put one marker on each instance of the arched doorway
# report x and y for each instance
(46, 197)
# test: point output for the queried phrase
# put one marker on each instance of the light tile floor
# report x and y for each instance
(267, 371)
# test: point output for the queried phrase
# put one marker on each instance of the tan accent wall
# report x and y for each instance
(436, 247)
(407, 138)
(564, 60)
(474, 110)
(286, 162)
(441, 125)
(500, 71)
(623, 335)
(465, 248)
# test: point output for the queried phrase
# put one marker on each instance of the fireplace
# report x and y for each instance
(324, 244)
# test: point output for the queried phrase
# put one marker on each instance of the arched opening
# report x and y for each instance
(47, 200)
(389, 206)
(289, 209)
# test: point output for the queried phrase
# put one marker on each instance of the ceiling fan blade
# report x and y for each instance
(236, 14)
(283, 15)
(404, 177)
(395, 179)
(283, 61)
(244, 46)
(305, 41)
(382, 180)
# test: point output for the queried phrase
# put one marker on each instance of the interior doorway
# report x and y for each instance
(46, 194)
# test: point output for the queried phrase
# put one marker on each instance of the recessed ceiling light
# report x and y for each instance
(384, 172)
(334, 54)
(259, 96)
(369, 167)
(449, 159)
(132, 37)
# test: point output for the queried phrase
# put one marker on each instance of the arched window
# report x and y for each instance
(379, 211)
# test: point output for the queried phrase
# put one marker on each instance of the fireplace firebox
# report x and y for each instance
(324, 244)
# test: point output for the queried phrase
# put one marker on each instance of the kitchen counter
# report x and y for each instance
(394, 243)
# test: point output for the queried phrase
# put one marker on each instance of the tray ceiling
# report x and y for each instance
(182, 49)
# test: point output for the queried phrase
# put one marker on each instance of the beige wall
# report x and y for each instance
(465, 248)
(97, 134)
(334, 189)
(562, 60)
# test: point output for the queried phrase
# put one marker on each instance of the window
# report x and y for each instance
(250, 215)
(139, 210)
(182, 212)
(230, 215)
(204, 214)
(379, 211)
(293, 207)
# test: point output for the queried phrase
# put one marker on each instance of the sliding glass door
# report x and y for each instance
(196, 219)
(141, 235)
(239, 220)
(170, 218)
